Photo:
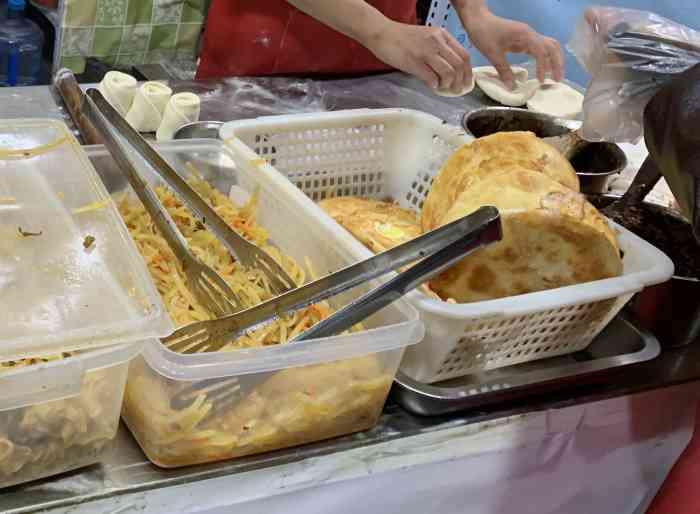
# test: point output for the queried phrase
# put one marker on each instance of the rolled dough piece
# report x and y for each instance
(552, 237)
(556, 99)
(146, 113)
(119, 90)
(485, 156)
(182, 108)
(488, 80)
(449, 94)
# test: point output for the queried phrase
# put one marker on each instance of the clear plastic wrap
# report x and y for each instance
(237, 98)
(630, 54)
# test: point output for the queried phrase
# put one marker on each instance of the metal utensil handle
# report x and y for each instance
(161, 218)
(207, 215)
(406, 281)
(69, 91)
(478, 226)
(646, 179)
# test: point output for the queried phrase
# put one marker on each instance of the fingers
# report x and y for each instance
(426, 74)
(556, 58)
(600, 19)
(465, 60)
(538, 49)
(503, 68)
(548, 55)
(444, 70)
(449, 61)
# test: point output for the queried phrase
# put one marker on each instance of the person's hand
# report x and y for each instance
(494, 37)
(429, 53)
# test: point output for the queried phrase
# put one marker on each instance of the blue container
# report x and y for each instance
(21, 42)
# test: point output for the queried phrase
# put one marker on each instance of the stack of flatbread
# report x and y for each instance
(552, 237)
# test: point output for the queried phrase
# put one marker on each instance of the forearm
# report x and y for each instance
(355, 18)
(470, 10)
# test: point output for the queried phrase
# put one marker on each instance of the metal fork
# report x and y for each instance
(243, 250)
(206, 285)
(440, 249)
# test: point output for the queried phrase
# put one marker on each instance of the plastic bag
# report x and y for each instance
(630, 54)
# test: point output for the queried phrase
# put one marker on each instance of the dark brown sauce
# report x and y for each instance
(666, 231)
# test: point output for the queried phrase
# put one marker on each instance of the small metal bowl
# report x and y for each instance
(595, 165)
(199, 130)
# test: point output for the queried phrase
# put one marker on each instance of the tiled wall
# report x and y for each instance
(126, 32)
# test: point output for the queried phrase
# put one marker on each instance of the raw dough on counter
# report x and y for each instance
(552, 237)
(490, 83)
(119, 90)
(556, 99)
(182, 108)
(146, 113)
(488, 155)
(380, 226)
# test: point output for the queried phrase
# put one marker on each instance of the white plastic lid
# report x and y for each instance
(71, 278)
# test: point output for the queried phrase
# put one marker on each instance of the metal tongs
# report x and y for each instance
(101, 114)
(204, 283)
(436, 251)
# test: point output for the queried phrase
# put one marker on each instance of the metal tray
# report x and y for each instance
(622, 343)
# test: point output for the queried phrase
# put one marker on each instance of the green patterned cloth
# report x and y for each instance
(127, 32)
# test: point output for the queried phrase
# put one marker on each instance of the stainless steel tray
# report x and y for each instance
(621, 344)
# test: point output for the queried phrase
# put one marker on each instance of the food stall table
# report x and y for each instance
(603, 447)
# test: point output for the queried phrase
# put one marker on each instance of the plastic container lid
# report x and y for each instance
(71, 278)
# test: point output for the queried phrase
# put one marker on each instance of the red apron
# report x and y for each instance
(270, 37)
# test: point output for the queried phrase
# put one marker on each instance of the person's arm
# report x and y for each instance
(494, 37)
(430, 53)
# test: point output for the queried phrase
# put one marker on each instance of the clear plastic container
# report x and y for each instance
(61, 415)
(293, 394)
(396, 153)
(21, 41)
(300, 399)
(61, 292)
(52, 203)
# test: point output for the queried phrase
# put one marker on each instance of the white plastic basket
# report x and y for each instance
(395, 153)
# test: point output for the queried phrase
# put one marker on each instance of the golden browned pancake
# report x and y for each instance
(487, 155)
(552, 237)
(378, 225)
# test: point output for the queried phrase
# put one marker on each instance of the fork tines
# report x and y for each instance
(275, 273)
(223, 299)
(219, 391)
